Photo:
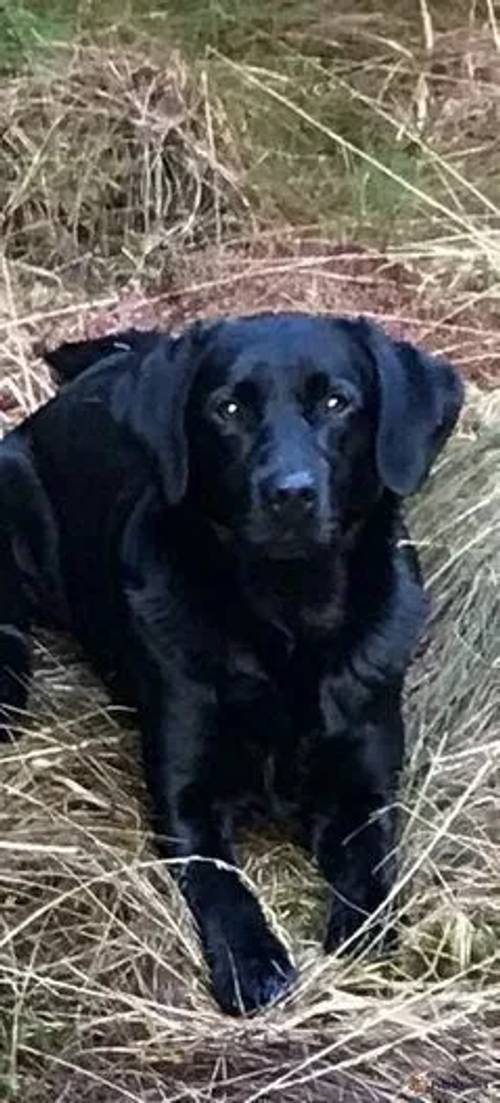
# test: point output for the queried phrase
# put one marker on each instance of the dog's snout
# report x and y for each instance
(292, 493)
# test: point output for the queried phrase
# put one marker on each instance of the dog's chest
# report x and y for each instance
(268, 714)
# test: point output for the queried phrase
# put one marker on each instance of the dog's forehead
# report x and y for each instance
(292, 348)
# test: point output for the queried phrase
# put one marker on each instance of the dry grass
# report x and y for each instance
(117, 160)
(110, 168)
(127, 173)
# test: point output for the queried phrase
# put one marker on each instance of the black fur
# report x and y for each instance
(217, 519)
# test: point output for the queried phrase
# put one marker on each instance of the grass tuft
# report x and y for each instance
(112, 164)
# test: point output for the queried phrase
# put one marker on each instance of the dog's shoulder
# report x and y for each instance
(88, 465)
(389, 605)
(79, 418)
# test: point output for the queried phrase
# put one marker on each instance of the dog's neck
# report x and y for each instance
(297, 595)
(304, 598)
(310, 598)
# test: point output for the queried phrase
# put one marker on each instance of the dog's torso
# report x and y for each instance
(266, 652)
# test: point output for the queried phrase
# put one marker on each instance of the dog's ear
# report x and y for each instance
(150, 401)
(420, 397)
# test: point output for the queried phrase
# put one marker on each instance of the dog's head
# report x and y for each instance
(288, 427)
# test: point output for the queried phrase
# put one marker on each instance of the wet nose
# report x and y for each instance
(291, 495)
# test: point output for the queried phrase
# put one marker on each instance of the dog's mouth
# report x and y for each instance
(286, 543)
(290, 542)
(287, 546)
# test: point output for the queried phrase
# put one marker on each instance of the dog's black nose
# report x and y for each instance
(293, 494)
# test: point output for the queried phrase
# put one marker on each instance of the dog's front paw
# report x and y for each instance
(350, 930)
(12, 702)
(250, 970)
(14, 674)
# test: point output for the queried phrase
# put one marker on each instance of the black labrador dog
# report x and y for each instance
(217, 518)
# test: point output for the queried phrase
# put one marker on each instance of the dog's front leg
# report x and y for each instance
(171, 664)
(190, 790)
(352, 790)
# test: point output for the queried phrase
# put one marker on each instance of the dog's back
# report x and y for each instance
(72, 358)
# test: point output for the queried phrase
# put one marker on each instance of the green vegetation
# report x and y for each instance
(363, 129)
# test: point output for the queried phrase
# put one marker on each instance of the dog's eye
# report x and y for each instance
(228, 409)
(335, 402)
